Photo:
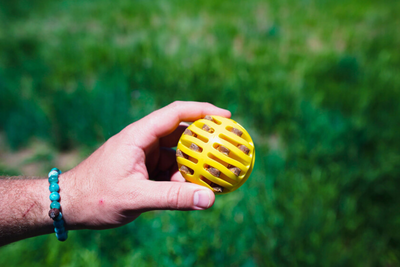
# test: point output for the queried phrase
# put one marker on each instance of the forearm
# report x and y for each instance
(24, 207)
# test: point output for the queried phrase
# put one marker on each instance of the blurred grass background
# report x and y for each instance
(316, 83)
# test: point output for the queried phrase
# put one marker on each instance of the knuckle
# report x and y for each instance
(175, 108)
(173, 197)
(208, 105)
(175, 104)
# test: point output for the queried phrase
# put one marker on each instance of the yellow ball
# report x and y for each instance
(216, 152)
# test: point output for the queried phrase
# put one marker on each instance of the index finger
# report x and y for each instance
(164, 121)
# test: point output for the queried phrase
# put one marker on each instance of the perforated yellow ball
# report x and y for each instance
(216, 152)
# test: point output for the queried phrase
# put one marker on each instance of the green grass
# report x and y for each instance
(315, 82)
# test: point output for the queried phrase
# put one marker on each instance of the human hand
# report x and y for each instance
(114, 185)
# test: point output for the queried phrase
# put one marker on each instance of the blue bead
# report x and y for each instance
(55, 205)
(54, 187)
(62, 236)
(53, 179)
(53, 173)
(54, 196)
(59, 217)
(59, 230)
(58, 224)
(57, 170)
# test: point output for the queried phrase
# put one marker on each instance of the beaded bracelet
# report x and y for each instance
(55, 207)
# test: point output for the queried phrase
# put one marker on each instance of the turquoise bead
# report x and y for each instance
(55, 205)
(57, 170)
(59, 230)
(54, 196)
(53, 173)
(53, 179)
(58, 224)
(62, 236)
(54, 187)
(59, 217)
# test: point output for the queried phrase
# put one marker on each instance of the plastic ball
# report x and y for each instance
(216, 152)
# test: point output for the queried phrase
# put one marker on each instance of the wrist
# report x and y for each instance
(37, 210)
(25, 205)
(69, 201)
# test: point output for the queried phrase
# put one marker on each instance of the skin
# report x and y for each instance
(133, 172)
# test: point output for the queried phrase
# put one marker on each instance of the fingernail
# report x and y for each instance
(201, 199)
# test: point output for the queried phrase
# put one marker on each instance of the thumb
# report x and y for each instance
(176, 196)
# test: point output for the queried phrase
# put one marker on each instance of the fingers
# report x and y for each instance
(174, 196)
(164, 121)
